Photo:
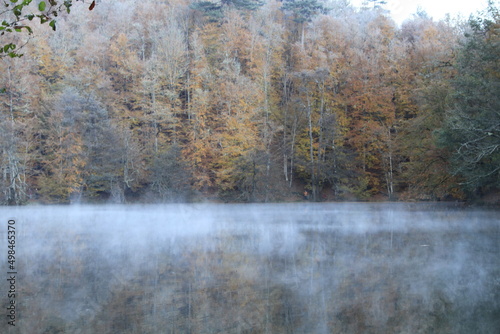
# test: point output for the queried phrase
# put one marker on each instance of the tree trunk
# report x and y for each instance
(311, 152)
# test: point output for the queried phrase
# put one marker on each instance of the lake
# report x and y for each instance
(252, 268)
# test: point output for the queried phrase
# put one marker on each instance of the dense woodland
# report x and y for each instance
(243, 100)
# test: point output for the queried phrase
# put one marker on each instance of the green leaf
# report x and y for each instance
(30, 16)
(41, 6)
(68, 4)
(53, 24)
(8, 47)
(17, 10)
(43, 18)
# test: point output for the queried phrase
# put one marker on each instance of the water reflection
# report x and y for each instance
(282, 268)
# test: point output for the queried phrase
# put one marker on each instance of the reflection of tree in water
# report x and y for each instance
(328, 280)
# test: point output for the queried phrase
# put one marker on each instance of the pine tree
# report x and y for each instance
(472, 127)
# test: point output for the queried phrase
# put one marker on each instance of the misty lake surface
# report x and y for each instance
(254, 268)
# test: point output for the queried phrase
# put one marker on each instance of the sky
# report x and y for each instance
(437, 9)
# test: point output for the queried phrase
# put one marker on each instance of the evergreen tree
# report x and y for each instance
(375, 3)
(303, 10)
(472, 128)
(214, 10)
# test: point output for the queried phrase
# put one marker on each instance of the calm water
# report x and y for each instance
(273, 268)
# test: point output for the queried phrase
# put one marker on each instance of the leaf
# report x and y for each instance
(41, 6)
(53, 24)
(92, 5)
(67, 4)
(43, 18)
(17, 10)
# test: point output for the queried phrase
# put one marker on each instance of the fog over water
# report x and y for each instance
(254, 268)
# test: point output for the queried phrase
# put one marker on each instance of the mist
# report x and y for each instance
(255, 268)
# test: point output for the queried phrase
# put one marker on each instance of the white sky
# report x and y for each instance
(437, 9)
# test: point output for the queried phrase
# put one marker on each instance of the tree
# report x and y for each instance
(62, 154)
(237, 131)
(170, 177)
(215, 10)
(17, 127)
(303, 11)
(375, 3)
(427, 71)
(472, 126)
(372, 103)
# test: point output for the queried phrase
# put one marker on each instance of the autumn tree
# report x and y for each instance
(199, 147)
(371, 102)
(18, 122)
(424, 100)
(170, 175)
(62, 154)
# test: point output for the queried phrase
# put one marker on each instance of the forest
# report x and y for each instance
(249, 101)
